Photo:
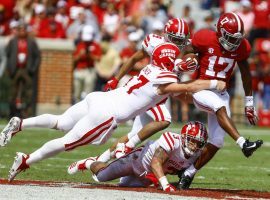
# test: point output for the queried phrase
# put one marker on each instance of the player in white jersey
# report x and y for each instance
(94, 119)
(157, 118)
(150, 164)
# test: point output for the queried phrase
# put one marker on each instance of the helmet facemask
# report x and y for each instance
(229, 41)
(180, 41)
(191, 145)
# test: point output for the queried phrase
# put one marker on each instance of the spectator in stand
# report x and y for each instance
(51, 28)
(187, 17)
(261, 25)
(158, 27)
(153, 14)
(23, 60)
(246, 15)
(25, 9)
(61, 14)
(209, 22)
(110, 21)
(263, 48)
(4, 29)
(38, 20)
(81, 19)
(86, 54)
(127, 52)
(108, 64)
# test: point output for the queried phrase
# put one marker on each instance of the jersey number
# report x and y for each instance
(141, 82)
(222, 74)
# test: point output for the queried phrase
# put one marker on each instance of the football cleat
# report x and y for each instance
(13, 127)
(184, 182)
(19, 165)
(250, 147)
(80, 165)
(121, 150)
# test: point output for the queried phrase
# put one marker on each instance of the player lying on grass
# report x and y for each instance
(149, 164)
(93, 120)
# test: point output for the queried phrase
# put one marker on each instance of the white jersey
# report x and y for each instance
(151, 41)
(139, 94)
(171, 143)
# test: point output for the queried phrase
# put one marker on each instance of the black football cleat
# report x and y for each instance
(185, 182)
(250, 147)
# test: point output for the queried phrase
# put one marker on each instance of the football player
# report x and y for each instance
(93, 120)
(149, 164)
(157, 118)
(219, 52)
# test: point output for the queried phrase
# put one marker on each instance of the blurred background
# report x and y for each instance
(54, 52)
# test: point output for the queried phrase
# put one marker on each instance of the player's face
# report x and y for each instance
(179, 41)
(194, 145)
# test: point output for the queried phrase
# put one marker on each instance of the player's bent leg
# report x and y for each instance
(119, 168)
(13, 127)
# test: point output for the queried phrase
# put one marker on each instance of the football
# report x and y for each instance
(191, 56)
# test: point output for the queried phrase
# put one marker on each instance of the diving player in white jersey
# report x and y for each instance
(94, 118)
(157, 118)
(150, 164)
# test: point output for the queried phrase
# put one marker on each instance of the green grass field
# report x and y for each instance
(228, 170)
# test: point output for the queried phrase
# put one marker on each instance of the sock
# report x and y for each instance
(240, 141)
(133, 141)
(43, 121)
(105, 157)
(191, 171)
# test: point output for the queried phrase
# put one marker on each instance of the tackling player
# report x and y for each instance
(93, 120)
(219, 52)
(150, 164)
(157, 118)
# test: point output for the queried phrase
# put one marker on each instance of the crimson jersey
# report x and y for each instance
(215, 62)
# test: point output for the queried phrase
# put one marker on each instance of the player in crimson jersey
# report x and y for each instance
(150, 164)
(93, 120)
(157, 118)
(219, 52)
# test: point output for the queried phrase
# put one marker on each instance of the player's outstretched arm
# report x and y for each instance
(159, 158)
(192, 86)
(127, 66)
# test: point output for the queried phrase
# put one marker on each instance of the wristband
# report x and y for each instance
(163, 181)
(213, 84)
(249, 101)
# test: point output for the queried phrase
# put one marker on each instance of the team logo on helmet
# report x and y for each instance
(164, 55)
(230, 30)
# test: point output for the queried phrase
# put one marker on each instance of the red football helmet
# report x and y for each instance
(194, 137)
(177, 31)
(230, 30)
(164, 55)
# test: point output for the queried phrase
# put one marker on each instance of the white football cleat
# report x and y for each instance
(81, 165)
(13, 127)
(19, 165)
(121, 150)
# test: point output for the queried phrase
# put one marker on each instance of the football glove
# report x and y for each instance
(251, 115)
(188, 65)
(111, 84)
